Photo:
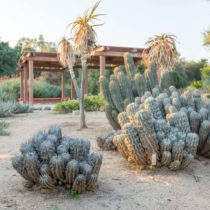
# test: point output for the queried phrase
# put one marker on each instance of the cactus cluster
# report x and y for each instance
(105, 141)
(50, 159)
(164, 129)
(124, 86)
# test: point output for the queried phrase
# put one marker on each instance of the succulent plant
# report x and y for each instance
(166, 129)
(49, 159)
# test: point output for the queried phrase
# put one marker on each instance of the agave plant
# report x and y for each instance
(162, 51)
(84, 38)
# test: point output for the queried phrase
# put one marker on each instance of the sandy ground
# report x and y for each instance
(121, 186)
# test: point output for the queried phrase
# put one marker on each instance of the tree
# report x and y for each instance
(206, 40)
(36, 45)
(67, 59)
(84, 40)
(8, 59)
(161, 51)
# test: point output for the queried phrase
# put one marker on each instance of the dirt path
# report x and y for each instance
(121, 186)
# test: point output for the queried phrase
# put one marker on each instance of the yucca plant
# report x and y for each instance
(67, 59)
(84, 38)
(161, 51)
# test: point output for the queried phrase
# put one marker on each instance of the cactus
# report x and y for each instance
(110, 118)
(194, 119)
(129, 65)
(125, 87)
(72, 170)
(151, 77)
(105, 141)
(140, 84)
(197, 100)
(203, 133)
(104, 86)
(79, 184)
(49, 160)
(116, 94)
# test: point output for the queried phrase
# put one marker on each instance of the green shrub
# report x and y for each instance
(10, 90)
(205, 76)
(196, 84)
(92, 103)
(3, 127)
(9, 108)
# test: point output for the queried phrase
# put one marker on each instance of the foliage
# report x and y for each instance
(162, 51)
(192, 69)
(9, 108)
(196, 84)
(73, 194)
(206, 38)
(10, 89)
(35, 44)
(3, 127)
(92, 103)
(205, 75)
(175, 78)
(8, 59)
(84, 35)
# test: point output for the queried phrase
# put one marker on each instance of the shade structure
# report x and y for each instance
(102, 58)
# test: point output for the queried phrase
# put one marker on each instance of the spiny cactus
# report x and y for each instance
(105, 141)
(124, 88)
(49, 159)
(166, 129)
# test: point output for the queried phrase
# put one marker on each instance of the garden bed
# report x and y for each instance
(121, 186)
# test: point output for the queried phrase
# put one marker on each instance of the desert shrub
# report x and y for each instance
(9, 108)
(92, 103)
(10, 90)
(196, 84)
(3, 127)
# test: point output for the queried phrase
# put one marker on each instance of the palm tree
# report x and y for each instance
(67, 58)
(161, 51)
(206, 40)
(84, 38)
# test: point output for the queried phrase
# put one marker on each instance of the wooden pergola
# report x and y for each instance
(102, 58)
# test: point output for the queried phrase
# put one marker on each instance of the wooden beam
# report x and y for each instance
(113, 54)
(21, 85)
(62, 85)
(102, 65)
(25, 84)
(31, 78)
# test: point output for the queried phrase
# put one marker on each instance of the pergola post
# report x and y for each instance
(86, 82)
(31, 78)
(21, 85)
(73, 96)
(25, 84)
(62, 85)
(102, 65)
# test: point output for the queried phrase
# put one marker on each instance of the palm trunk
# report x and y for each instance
(82, 91)
(71, 71)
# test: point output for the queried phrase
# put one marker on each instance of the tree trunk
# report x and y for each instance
(82, 91)
(71, 71)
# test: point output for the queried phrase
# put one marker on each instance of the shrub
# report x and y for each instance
(10, 90)
(92, 103)
(9, 108)
(196, 84)
(3, 127)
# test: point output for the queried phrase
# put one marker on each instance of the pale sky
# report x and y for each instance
(127, 22)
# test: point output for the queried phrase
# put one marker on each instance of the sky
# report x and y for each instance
(128, 23)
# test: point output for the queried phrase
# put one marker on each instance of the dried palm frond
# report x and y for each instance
(65, 52)
(162, 51)
(84, 35)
